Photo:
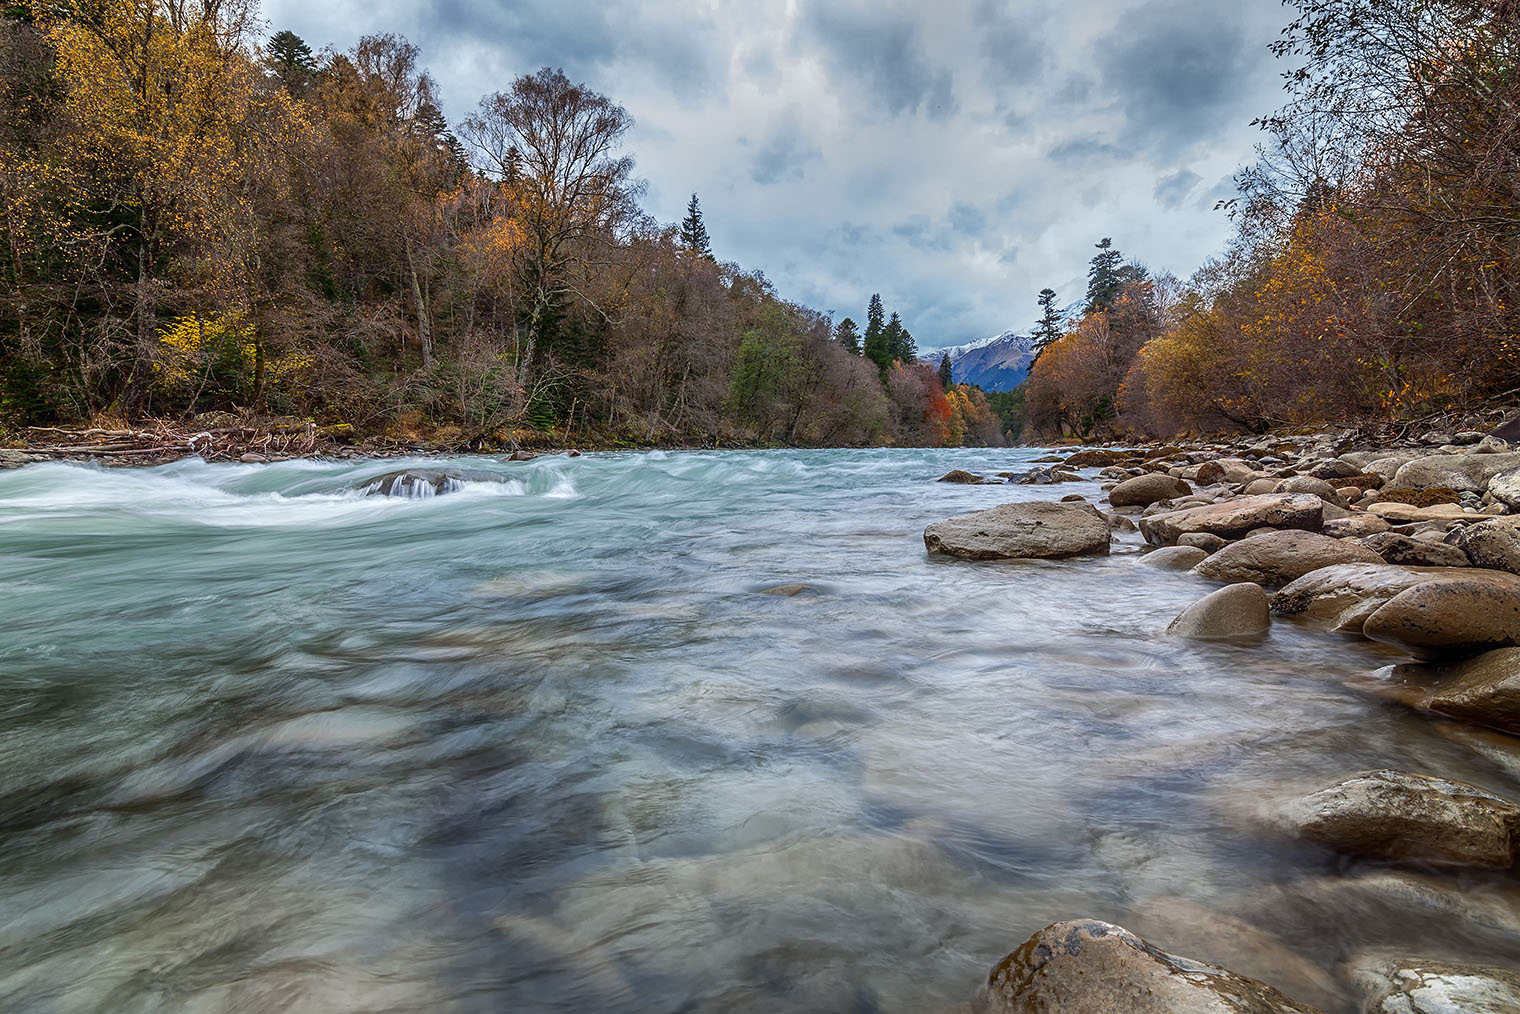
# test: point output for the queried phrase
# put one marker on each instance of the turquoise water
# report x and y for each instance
(542, 744)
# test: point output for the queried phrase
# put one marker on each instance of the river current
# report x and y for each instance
(546, 744)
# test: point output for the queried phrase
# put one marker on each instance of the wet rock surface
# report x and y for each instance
(1276, 558)
(1401, 816)
(1484, 689)
(1021, 531)
(1439, 987)
(1092, 967)
(1235, 518)
(1237, 611)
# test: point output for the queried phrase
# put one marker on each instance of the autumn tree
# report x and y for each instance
(556, 144)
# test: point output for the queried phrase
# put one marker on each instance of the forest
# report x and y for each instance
(199, 219)
(1375, 263)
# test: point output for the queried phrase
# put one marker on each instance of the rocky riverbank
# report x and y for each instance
(1413, 544)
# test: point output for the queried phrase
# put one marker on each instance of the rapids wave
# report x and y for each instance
(270, 744)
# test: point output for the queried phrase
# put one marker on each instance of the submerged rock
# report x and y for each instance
(1144, 490)
(1036, 530)
(966, 478)
(1275, 558)
(1091, 967)
(1397, 815)
(419, 483)
(1234, 518)
(1484, 690)
(1240, 610)
(1439, 987)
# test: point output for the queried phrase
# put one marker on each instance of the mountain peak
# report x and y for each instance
(998, 363)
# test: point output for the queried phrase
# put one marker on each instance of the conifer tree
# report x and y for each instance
(291, 59)
(694, 232)
(892, 341)
(1105, 280)
(876, 317)
(946, 373)
(847, 334)
(1049, 327)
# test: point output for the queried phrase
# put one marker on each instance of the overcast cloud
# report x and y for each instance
(956, 156)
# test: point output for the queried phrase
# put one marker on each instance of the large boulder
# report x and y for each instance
(1403, 513)
(1399, 816)
(1494, 543)
(1013, 531)
(1233, 518)
(1470, 472)
(1096, 457)
(1275, 558)
(1450, 618)
(1238, 611)
(1341, 597)
(1396, 548)
(1091, 967)
(1439, 987)
(1484, 689)
(1144, 490)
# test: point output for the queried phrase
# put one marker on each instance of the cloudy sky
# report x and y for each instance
(955, 155)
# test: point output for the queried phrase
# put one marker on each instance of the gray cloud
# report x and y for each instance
(1171, 190)
(955, 158)
(870, 48)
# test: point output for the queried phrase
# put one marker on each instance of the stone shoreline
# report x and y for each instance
(1415, 546)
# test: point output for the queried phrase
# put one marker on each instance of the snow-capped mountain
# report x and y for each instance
(999, 363)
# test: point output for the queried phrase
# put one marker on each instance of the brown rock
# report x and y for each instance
(1144, 490)
(1034, 530)
(1342, 597)
(1396, 548)
(1174, 557)
(1096, 457)
(1357, 526)
(1209, 473)
(1092, 967)
(1204, 541)
(1234, 518)
(1438, 987)
(1484, 690)
(1397, 815)
(1450, 618)
(1236, 611)
(1277, 557)
(964, 478)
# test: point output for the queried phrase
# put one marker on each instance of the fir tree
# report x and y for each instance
(892, 341)
(847, 334)
(693, 232)
(1049, 327)
(1104, 278)
(876, 318)
(291, 59)
(946, 373)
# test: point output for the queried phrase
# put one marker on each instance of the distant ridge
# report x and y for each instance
(999, 363)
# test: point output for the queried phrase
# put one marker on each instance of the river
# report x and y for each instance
(544, 744)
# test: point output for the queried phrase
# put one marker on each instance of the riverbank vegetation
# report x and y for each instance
(199, 220)
(1375, 267)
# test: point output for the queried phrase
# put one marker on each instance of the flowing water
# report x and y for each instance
(544, 744)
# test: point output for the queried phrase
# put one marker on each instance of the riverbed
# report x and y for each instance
(556, 743)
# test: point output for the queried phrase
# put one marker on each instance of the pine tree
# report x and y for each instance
(1104, 278)
(1049, 327)
(847, 334)
(693, 232)
(290, 57)
(892, 341)
(907, 349)
(873, 346)
(946, 373)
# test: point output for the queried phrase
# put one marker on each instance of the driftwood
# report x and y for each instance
(166, 442)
